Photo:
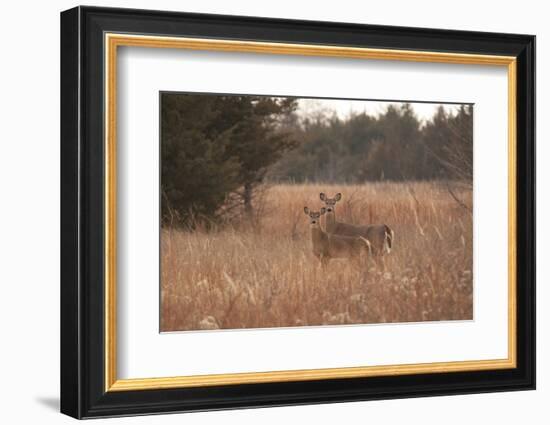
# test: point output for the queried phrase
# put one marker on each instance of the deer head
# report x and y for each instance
(315, 216)
(330, 202)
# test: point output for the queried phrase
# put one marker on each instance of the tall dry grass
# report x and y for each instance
(266, 276)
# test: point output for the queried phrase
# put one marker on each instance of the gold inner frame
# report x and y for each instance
(113, 41)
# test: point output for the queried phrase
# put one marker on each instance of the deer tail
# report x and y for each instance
(389, 237)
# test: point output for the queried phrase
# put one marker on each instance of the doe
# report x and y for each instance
(380, 236)
(327, 246)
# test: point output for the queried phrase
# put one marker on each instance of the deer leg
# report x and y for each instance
(356, 261)
(324, 260)
(371, 261)
(383, 262)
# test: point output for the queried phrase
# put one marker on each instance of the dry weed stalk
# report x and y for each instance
(263, 275)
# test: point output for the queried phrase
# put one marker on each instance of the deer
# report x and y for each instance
(380, 236)
(327, 246)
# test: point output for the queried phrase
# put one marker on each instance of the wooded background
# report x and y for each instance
(218, 150)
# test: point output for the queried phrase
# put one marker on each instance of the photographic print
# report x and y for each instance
(312, 212)
(285, 211)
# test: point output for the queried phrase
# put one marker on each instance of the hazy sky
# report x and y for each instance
(424, 111)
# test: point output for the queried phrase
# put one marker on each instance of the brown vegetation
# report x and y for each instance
(264, 275)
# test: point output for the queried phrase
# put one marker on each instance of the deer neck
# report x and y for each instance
(330, 221)
(318, 238)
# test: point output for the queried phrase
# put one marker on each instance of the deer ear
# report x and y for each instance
(306, 210)
(322, 196)
(338, 197)
(323, 210)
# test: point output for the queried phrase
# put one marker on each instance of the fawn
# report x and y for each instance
(327, 246)
(380, 236)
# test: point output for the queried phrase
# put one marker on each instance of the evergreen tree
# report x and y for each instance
(213, 147)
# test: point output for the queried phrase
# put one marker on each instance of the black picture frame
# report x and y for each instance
(83, 392)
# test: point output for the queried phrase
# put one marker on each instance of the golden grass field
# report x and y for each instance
(266, 276)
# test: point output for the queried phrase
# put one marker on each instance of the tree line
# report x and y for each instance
(394, 145)
(216, 151)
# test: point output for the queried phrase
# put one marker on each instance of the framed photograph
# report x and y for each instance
(261, 212)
